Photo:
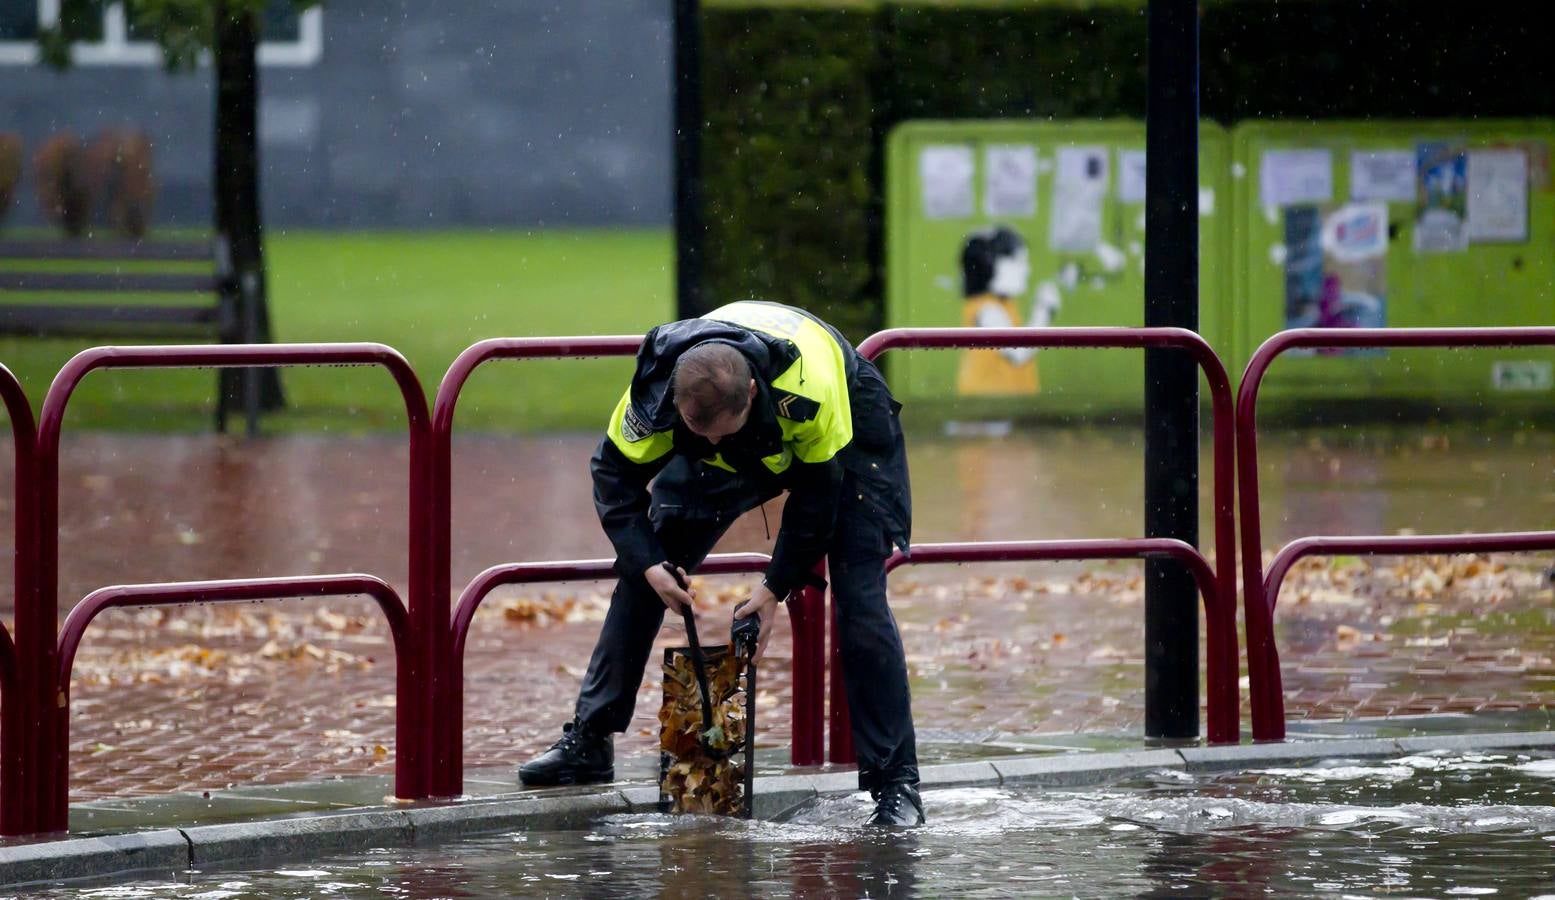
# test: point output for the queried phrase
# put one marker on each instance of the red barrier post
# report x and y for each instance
(839, 747)
(1221, 642)
(1263, 662)
(20, 665)
(807, 614)
(413, 733)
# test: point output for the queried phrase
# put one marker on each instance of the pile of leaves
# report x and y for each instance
(214, 643)
(693, 781)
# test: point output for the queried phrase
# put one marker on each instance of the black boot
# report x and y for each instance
(580, 757)
(897, 804)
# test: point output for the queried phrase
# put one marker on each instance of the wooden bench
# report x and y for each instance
(208, 307)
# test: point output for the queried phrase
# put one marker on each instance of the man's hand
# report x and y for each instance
(665, 583)
(763, 603)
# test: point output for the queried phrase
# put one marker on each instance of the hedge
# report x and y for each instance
(799, 98)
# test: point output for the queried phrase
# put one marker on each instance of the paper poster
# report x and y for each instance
(1498, 196)
(1290, 177)
(1328, 289)
(1441, 193)
(1386, 175)
(945, 178)
(1079, 187)
(1356, 232)
(1131, 176)
(1011, 176)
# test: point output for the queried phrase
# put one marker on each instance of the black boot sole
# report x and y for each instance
(565, 779)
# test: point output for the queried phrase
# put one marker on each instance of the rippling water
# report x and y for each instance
(1426, 825)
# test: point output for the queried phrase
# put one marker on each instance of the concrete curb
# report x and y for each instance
(171, 850)
(165, 850)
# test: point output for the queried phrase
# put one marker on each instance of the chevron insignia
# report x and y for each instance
(794, 407)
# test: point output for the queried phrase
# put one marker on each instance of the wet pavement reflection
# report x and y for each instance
(194, 699)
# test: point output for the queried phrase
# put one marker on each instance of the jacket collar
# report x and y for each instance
(651, 395)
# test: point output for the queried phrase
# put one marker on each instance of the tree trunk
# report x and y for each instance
(236, 157)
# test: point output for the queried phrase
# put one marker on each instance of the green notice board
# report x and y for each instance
(1073, 192)
(1397, 224)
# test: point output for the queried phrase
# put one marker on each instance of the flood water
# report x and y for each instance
(1427, 825)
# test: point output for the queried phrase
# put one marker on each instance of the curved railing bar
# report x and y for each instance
(34, 636)
(234, 590)
(497, 576)
(447, 767)
(240, 590)
(1219, 611)
(1263, 665)
(415, 741)
(563, 570)
(1223, 430)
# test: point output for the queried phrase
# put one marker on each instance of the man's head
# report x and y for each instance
(713, 389)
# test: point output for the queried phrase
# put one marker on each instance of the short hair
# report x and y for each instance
(710, 380)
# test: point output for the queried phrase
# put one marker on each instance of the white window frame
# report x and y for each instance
(116, 48)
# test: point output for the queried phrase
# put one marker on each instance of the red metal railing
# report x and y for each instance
(429, 641)
(1258, 594)
(231, 591)
(447, 764)
(415, 693)
(1220, 635)
(806, 690)
(17, 803)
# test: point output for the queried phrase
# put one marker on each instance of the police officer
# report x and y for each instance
(728, 411)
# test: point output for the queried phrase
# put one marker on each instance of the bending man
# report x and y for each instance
(728, 411)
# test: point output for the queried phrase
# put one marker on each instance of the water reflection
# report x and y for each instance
(155, 508)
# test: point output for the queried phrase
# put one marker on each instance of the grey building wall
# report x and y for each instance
(517, 113)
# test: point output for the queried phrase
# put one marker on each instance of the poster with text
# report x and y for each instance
(1387, 175)
(1498, 196)
(1079, 187)
(1011, 180)
(1292, 177)
(945, 175)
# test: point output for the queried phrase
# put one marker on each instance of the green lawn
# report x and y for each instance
(429, 295)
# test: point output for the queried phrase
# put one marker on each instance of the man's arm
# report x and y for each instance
(626, 460)
(621, 499)
(809, 517)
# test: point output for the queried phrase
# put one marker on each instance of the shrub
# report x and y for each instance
(10, 170)
(64, 195)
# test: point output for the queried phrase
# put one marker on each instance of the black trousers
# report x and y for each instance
(874, 665)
